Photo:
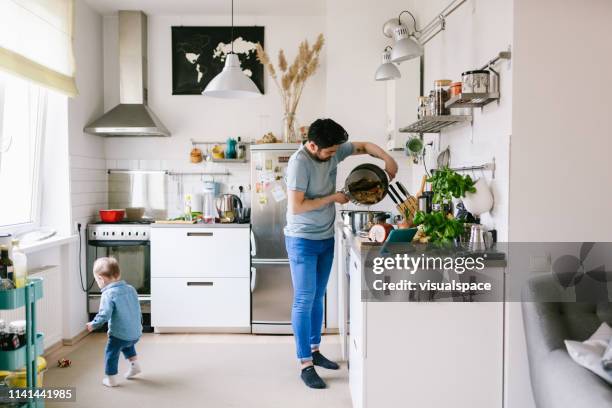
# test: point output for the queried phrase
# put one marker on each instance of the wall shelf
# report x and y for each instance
(471, 100)
(229, 160)
(434, 124)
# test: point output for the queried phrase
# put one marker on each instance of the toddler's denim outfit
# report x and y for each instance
(119, 307)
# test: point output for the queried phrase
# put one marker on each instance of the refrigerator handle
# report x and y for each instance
(253, 278)
(253, 245)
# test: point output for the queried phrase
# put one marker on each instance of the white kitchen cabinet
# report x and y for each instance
(200, 252)
(200, 279)
(357, 333)
(200, 302)
(424, 354)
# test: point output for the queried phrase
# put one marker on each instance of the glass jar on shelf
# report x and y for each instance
(441, 95)
(424, 108)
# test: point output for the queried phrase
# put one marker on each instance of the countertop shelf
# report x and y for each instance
(434, 124)
(471, 100)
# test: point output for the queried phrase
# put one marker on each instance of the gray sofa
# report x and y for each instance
(557, 381)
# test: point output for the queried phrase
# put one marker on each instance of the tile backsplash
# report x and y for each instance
(181, 184)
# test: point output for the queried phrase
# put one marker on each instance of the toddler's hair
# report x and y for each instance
(107, 267)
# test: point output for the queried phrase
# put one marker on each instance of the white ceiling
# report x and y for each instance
(213, 7)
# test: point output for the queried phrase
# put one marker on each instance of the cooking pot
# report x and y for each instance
(366, 178)
(361, 220)
(111, 215)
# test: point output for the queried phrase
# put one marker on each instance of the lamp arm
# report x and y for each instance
(399, 18)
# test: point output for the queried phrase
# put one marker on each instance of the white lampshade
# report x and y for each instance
(232, 83)
(405, 46)
(387, 70)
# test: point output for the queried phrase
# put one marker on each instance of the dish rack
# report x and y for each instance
(12, 360)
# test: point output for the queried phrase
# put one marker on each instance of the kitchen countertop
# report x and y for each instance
(360, 244)
(218, 225)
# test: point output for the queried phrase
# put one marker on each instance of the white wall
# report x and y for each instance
(203, 118)
(560, 147)
(87, 164)
(475, 33)
(354, 99)
(561, 181)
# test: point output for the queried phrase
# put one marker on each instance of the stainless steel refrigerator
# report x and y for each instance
(272, 291)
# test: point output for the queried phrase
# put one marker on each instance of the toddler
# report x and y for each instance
(119, 307)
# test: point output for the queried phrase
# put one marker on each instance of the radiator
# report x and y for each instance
(48, 309)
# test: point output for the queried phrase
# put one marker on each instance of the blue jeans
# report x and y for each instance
(111, 353)
(311, 262)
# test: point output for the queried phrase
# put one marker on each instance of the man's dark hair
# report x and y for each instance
(326, 133)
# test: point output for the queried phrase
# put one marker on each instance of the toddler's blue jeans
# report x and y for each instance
(111, 354)
(310, 261)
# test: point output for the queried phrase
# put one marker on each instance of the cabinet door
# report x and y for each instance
(357, 307)
(200, 252)
(356, 376)
(356, 343)
(200, 302)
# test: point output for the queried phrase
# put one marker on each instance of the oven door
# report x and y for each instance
(134, 258)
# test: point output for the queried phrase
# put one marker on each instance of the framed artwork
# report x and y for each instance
(198, 55)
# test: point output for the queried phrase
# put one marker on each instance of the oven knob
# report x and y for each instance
(113, 233)
(95, 233)
(136, 233)
(129, 233)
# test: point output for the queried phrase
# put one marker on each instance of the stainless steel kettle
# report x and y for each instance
(227, 204)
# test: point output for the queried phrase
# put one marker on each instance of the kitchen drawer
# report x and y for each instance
(200, 252)
(198, 302)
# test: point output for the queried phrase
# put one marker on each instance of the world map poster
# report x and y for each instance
(198, 55)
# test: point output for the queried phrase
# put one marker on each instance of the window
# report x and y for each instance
(22, 115)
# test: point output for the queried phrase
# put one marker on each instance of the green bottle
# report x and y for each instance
(6, 265)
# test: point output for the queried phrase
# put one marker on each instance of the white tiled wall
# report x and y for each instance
(88, 187)
(179, 185)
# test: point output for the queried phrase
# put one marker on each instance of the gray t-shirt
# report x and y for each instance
(316, 179)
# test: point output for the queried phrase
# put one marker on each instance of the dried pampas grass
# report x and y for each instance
(294, 76)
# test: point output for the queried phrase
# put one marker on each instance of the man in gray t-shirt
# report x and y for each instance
(309, 234)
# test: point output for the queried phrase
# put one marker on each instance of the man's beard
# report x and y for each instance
(317, 158)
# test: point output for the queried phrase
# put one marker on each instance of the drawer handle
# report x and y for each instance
(199, 234)
(199, 283)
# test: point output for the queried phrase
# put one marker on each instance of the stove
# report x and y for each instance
(129, 243)
(118, 232)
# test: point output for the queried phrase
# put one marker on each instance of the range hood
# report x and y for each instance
(132, 117)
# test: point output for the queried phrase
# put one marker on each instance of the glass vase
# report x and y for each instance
(290, 128)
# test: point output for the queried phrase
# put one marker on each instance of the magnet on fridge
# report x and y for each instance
(278, 193)
(268, 164)
(263, 199)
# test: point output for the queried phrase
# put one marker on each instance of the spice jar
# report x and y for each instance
(432, 103)
(455, 89)
(441, 87)
(424, 108)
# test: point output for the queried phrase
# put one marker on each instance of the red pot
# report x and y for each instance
(111, 215)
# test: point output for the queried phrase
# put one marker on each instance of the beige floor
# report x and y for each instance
(208, 370)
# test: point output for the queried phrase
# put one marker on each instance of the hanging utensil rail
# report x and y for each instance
(486, 166)
(172, 173)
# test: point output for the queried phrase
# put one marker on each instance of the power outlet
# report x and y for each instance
(540, 263)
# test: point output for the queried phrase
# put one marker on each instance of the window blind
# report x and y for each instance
(36, 42)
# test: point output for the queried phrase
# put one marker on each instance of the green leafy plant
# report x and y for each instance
(438, 227)
(447, 183)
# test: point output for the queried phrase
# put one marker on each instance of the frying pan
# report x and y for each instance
(369, 175)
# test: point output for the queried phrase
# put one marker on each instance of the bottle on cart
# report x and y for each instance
(6, 265)
(20, 265)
